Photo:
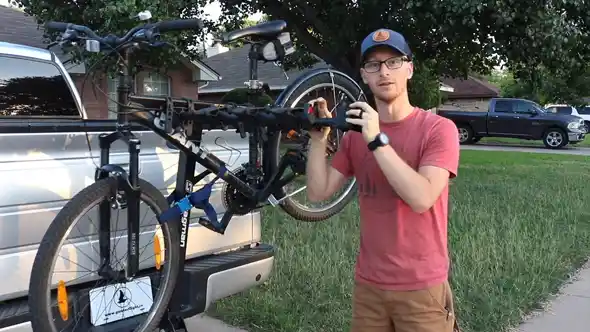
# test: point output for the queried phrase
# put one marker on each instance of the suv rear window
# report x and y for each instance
(34, 88)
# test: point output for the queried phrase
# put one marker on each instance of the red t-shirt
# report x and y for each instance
(399, 248)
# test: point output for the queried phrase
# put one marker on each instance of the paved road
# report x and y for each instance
(207, 324)
(570, 310)
(523, 148)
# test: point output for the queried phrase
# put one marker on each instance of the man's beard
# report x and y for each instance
(387, 97)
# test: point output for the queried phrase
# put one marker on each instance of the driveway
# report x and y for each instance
(521, 148)
(202, 323)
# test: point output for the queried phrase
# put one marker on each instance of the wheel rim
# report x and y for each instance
(352, 181)
(157, 297)
(554, 139)
(463, 134)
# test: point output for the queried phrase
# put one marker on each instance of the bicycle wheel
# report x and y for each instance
(331, 85)
(120, 301)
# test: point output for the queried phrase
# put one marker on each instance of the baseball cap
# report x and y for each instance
(386, 37)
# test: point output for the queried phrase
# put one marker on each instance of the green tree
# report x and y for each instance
(240, 96)
(117, 17)
(451, 37)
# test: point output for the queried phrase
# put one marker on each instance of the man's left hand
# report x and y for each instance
(369, 120)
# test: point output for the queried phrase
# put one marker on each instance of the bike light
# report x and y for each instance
(62, 301)
(144, 15)
(92, 45)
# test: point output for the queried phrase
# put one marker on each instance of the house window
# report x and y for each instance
(155, 84)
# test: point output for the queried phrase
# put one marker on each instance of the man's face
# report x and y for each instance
(389, 79)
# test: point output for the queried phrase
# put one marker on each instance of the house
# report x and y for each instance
(182, 81)
(233, 67)
(471, 94)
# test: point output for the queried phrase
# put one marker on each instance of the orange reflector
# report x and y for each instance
(157, 252)
(62, 300)
(291, 133)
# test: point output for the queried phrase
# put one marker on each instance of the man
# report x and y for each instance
(402, 162)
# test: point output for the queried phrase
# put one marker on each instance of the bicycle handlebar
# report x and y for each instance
(148, 30)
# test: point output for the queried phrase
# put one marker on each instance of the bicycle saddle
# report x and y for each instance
(266, 30)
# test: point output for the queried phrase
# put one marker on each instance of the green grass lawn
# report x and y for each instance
(520, 223)
(516, 141)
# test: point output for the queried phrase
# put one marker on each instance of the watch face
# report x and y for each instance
(383, 138)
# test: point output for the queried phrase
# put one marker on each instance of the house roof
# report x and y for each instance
(18, 27)
(471, 88)
(233, 67)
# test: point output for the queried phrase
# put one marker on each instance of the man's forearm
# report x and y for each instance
(317, 169)
(411, 186)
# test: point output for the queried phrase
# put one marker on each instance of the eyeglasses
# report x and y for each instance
(391, 63)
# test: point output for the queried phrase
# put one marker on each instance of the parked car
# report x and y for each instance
(518, 118)
(583, 112)
(45, 160)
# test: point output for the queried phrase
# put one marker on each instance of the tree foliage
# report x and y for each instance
(449, 37)
(454, 36)
(545, 86)
(117, 17)
(240, 96)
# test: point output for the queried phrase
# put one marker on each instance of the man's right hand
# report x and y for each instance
(323, 112)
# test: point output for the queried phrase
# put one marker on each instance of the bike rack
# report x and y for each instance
(194, 117)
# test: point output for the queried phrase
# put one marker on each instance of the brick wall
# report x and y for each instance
(96, 102)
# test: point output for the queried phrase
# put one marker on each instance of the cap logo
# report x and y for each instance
(380, 36)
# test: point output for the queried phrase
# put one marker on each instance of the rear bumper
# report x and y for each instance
(206, 280)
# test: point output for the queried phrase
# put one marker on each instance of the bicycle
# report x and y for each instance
(179, 121)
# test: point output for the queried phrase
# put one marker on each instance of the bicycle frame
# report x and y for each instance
(190, 153)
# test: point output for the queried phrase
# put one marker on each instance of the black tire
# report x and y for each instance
(555, 138)
(39, 300)
(289, 96)
(465, 133)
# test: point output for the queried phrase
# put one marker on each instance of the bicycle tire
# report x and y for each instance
(287, 99)
(40, 302)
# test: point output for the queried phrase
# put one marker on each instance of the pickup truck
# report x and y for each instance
(518, 118)
(47, 155)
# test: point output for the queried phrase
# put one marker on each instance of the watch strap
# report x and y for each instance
(375, 143)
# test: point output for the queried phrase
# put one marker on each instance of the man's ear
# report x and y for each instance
(410, 70)
(363, 76)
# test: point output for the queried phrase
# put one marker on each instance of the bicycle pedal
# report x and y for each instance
(216, 227)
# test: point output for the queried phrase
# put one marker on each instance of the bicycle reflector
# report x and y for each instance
(157, 252)
(62, 301)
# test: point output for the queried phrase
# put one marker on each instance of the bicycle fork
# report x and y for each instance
(125, 196)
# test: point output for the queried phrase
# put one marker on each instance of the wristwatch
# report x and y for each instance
(380, 140)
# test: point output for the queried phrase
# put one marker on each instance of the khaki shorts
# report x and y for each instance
(427, 310)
